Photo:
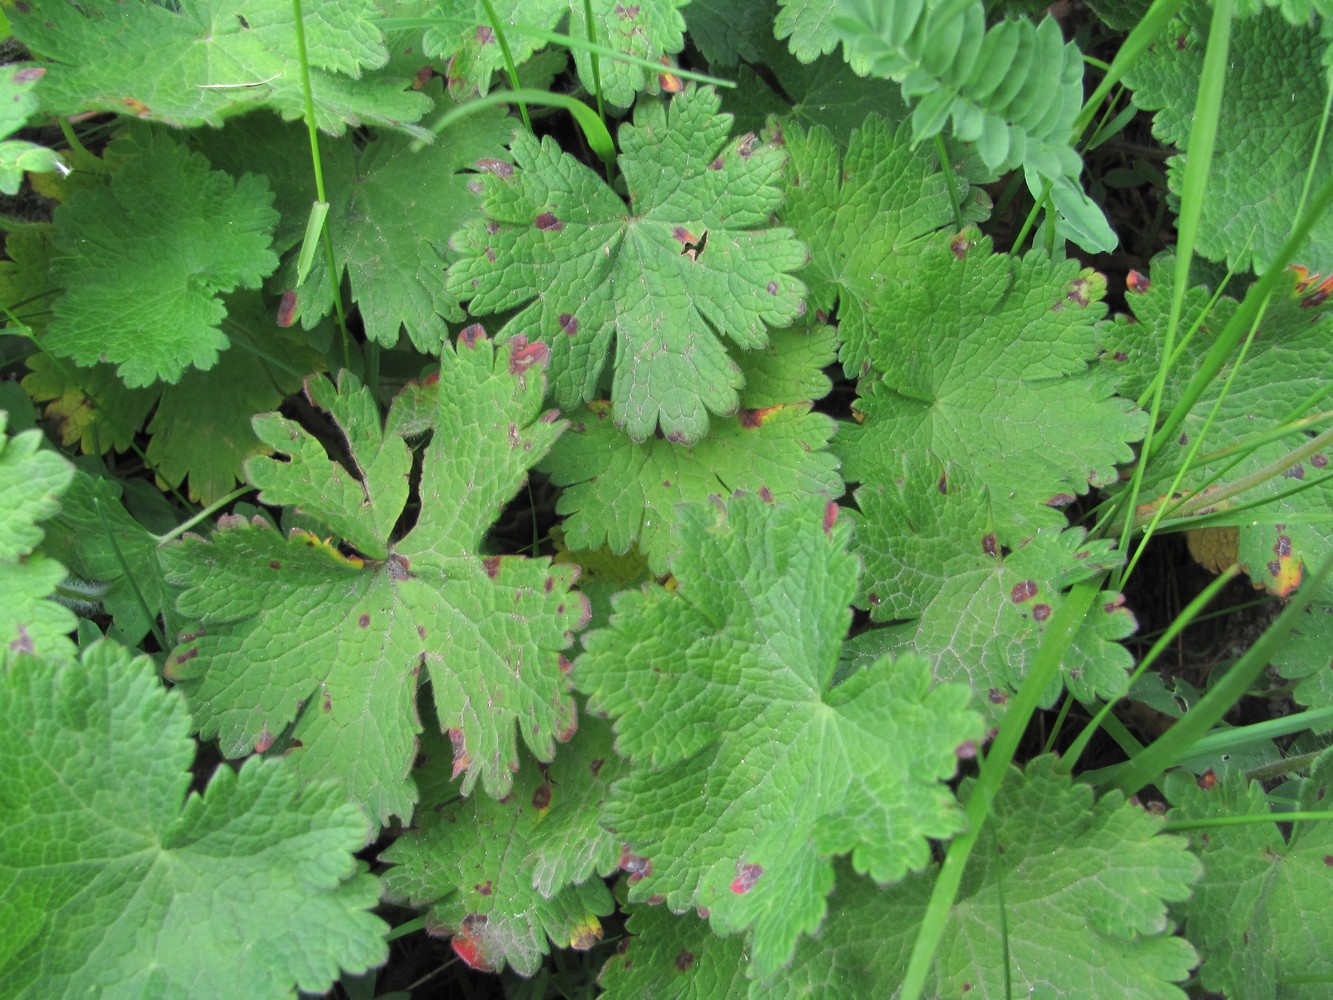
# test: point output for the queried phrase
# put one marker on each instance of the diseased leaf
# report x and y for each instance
(621, 494)
(118, 883)
(296, 632)
(1269, 127)
(31, 482)
(689, 266)
(867, 217)
(986, 369)
(159, 210)
(1257, 915)
(749, 769)
(503, 876)
(224, 56)
(666, 953)
(975, 597)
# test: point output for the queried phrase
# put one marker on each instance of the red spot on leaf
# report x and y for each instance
(471, 335)
(423, 76)
(656, 899)
(565, 665)
(541, 798)
(830, 517)
(549, 223)
(523, 355)
(497, 167)
(1137, 282)
(967, 750)
(991, 545)
(765, 494)
(468, 944)
(1283, 546)
(287, 309)
(569, 323)
(1319, 461)
(364, 621)
(960, 245)
(1060, 500)
(1297, 471)
(492, 566)
(484, 888)
(1208, 780)
(684, 961)
(29, 74)
(997, 697)
(716, 164)
(772, 288)
(1024, 590)
(635, 866)
(264, 740)
(1040, 612)
(462, 759)
(683, 236)
(747, 876)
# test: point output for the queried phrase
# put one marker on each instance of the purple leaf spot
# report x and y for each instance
(421, 632)
(1184, 440)
(772, 288)
(875, 600)
(1024, 590)
(274, 564)
(1283, 546)
(765, 494)
(397, 566)
(490, 256)
(484, 888)
(569, 323)
(1111, 607)
(1120, 356)
(1040, 612)
(471, 335)
(287, 309)
(1328, 860)
(746, 145)
(990, 545)
(364, 621)
(499, 168)
(492, 566)
(1078, 291)
(959, 246)
(485, 35)
(548, 584)
(746, 877)
(328, 702)
(549, 417)
(29, 74)
(1297, 471)
(967, 750)
(541, 798)
(716, 164)
(1060, 500)
(1274, 568)
(596, 766)
(684, 960)
(943, 485)
(628, 13)
(547, 221)
(462, 759)
(638, 868)
(1319, 461)
(523, 355)
(264, 740)
(683, 236)
(830, 517)
(997, 697)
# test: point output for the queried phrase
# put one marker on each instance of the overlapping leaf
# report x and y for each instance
(1258, 914)
(975, 597)
(690, 265)
(622, 494)
(1269, 127)
(142, 260)
(750, 770)
(117, 883)
(986, 369)
(202, 61)
(296, 633)
(866, 219)
(503, 876)
(31, 481)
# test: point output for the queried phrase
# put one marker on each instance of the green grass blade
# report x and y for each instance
(599, 139)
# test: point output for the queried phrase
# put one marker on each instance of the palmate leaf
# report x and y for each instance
(974, 597)
(202, 61)
(986, 363)
(116, 883)
(650, 29)
(750, 770)
(295, 633)
(1258, 914)
(866, 216)
(31, 482)
(689, 265)
(1083, 887)
(503, 876)
(160, 211)
(1269, 127)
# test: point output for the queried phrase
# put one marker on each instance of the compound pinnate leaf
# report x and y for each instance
(1269, 126)
(986, 368)
(722, 698)
(201, 62)
(503, 876)
(118, 884)
(1258, 914)
(618, 493)
(295, 631)
(689, 265)
(980, 595)
(159, 209)
(866, 218)
(1104, 868)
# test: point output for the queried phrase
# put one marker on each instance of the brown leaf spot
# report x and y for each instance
(569, 323)
(472, 335)
(991, 545)
(541, 798)
(274, 564)
(484, 888)
(684, 960)
(462, 759)
(1297, 471)
(1060, 500)
(960, 245)
(1040, 612)
(287, 309)
(549, 223)
(1024, 590)
(492, 566)
(1137, 282)
(364, 621)
(497, 167)
(264, 740)
(637, 867)
(746, 877)
(765, 494)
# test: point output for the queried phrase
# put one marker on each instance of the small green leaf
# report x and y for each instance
(158, 210)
